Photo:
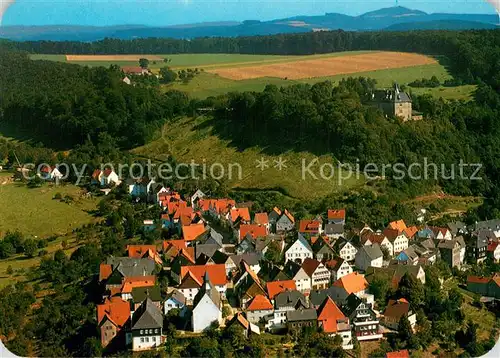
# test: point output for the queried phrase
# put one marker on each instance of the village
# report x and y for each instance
(267, 272)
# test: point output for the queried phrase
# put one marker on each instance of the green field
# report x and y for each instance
(35, 212)
(186, 143)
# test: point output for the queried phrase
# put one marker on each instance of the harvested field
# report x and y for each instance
(131, 58)
(326, 66)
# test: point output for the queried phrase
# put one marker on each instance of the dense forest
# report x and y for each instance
(470, 53)
(64, 105)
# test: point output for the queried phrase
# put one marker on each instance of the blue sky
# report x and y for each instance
(171, 12)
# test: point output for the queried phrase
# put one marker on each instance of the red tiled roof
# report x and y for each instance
(309, 226)
(478, 279)
(398, 354)
(96, 173)
(116, 309)
(397, 308)
(277, 210)
(411, 231)
(104, 271)
(352, 283)
(190, 281)
(191, 232)
(329, 315)
(492, 246)
(252, 229)
(221, 206)
(132, 69)
(138, 251)
(140, 281)
(216, 273)
(242, 213)
(391, 234)
(336, 214)
(261, 219)
(259, 303)
(275, 287)
(398, 225)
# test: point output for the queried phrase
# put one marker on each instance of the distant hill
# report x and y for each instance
(441, 25)
(393, 18)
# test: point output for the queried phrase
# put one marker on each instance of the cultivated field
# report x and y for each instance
(111, 58)
(326, 66)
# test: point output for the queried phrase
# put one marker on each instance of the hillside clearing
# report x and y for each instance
(36, 212)
(186, 141)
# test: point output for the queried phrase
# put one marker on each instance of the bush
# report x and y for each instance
(57, 196)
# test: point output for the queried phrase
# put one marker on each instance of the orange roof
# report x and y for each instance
(140, 281)
(104, 271)
(289, 216)
(216, 273)
(411, 231)
(191, 232)
(391, 234)
(180, 244)
(116, 309)
(252, 229)
(221, 206)
(132, 69)
(275, 287)
(478, 279)
(330, 314)
(277, 210)
(352, 283)
(375, 238)
(261, 219)
(138, 251)
(188, 253)
(309, 226)
(259, 303)
(398, 225)
(336, 214)
(398, 354)
(242, 213)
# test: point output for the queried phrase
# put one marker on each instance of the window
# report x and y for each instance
(142, 340)
(146, 340)
(156, 330)
(142, 332)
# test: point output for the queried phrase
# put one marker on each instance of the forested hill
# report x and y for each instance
(474, 51)
(63, 105)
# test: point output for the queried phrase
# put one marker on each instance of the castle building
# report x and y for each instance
(396, 103)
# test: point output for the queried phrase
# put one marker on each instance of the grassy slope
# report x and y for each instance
(35, 212)
(186, 143)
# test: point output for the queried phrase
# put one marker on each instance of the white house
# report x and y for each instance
(380, 239)
(346, 250)
(299, 250)
(297, 274)
(196, 196)
(189, 287)
(317, 272)
(207, 306)
(285, 223)
(175, 299)
(398, 240)
(105, 177)
(259, 307)
(50, 173)
(147, 324)
(369, 256)
(338, 268)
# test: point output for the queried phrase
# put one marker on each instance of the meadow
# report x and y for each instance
(36, 212)
(192, 139)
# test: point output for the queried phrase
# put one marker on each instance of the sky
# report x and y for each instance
(173, 12)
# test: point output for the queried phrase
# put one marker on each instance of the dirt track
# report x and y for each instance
(326, 66)
(130, 58)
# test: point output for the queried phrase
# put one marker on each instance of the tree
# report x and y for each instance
(411, 289)
(273, 253)
(404, 329)
(9, 271)
(144, 62)
(167, 75)
(30, 246)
